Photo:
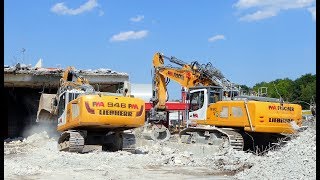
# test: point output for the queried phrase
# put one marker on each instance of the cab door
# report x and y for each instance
(198, 104)
(61, 109)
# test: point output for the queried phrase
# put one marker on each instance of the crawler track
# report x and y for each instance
(129, 141)
(235, 138)
(75, 143)
(209, 135)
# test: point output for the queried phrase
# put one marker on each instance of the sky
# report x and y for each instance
(249, 41)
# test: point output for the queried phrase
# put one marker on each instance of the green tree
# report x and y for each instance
(301, 83)
(285, 89)
(245, 89)
(301, 90)
(307, 92)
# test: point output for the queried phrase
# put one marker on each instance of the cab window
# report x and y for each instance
(73, 96)
(196, 101)
(61, 105)
(214, 97)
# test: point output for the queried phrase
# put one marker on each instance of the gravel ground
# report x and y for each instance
(37, 157)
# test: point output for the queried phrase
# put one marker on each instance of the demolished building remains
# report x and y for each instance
(24, 84)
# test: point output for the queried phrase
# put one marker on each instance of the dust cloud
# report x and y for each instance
(45, 126)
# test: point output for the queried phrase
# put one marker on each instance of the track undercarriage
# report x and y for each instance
(235, 138)
(212, 136)
(76, 140)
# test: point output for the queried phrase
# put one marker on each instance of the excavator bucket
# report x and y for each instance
(45, 109)
(158, 133)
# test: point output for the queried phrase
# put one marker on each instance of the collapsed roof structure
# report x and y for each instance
(26, 76)
(23, 85)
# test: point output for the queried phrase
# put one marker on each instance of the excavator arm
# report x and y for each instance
(187, 75)
(184, 76)
(70, 79)
(47, 110)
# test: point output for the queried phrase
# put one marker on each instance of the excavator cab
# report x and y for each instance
(200, 98)
(64, 98)
(198, 104)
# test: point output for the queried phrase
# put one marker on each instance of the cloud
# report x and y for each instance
(243, 4)
(263, 9)
(312, 10)
(101, 13)
(216, 37)
(62, 9)
(124, 36)
(259, 15)
(137, 18)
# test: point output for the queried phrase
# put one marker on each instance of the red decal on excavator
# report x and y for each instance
(133, 106)
(188, 75)
(272, 107)
(91, 111)
(140, 112)
(170, 73)
(97, 104)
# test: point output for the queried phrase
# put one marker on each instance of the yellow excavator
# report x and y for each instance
(217, 111)
(86, 117)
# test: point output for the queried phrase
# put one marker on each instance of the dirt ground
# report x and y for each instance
(37, 157)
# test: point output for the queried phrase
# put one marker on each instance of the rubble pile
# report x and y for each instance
(27, 144)
(38, 156)
(227, 160)
(296, 160)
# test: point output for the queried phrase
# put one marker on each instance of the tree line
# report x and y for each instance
(301, 91)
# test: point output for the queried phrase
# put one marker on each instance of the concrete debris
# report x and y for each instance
(39, 157)
(17, 146)
(100, 71)
(24, 76)
(23, 66)
(37, 70)
(22, 69)
(296, 160)
(13, 139)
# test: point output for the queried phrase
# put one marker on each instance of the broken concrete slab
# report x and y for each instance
(25, 76)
